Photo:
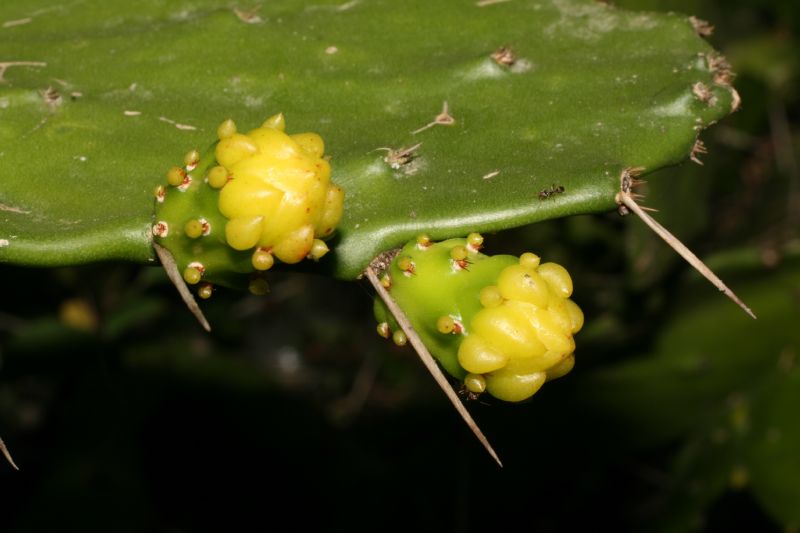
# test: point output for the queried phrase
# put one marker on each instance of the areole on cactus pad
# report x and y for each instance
(498, 323)
(256, 197)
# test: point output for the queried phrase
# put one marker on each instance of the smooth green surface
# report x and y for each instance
(595, 90)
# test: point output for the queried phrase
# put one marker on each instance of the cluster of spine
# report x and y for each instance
(501, 324)
(257, 197)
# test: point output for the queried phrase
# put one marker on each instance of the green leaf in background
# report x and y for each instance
(98, 99)
(731, 386)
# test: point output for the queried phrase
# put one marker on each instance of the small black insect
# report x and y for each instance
(551, 191)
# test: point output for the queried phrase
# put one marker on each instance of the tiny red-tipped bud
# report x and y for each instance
(423, 241)
(474, 241)
(175, 176)
(160, 193)
(192, 275)
(262, 259)
(406, 265)
(445, 324)
(190, 159)
(205, 291)
(458, 253)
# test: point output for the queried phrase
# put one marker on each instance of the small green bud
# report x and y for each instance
(405, 264)
(193, 229)
(226, 129)
(318, 249)
(445, 324)
(205, 291)
(399, 338)
(529, 260)
(192, 275)
(218, 177)
(191, 158)
(490, 296)
(474, 241)
(475, 383)
(175, 176)
(458, 253)
(262, 259)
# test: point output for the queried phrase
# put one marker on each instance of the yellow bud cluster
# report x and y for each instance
(276, 191)
(522, 336)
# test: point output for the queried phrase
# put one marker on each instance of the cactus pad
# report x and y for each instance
(447, 116)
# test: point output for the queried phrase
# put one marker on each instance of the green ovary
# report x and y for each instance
(278, 196)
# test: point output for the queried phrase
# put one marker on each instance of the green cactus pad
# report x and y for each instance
(447, 116)
(496, 322)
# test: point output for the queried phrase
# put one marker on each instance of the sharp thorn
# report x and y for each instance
(174, 275)
(429, 361)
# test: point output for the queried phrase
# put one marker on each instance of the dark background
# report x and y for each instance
(125, 416)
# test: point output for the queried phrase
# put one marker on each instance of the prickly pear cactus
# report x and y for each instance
(447, 117)
(254, 198)
(501, 324)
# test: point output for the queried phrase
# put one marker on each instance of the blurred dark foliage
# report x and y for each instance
(294, 415)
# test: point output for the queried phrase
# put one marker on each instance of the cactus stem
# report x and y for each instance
(7, 455)
(428, 360)
(442, 119)
(175, 276)
(625, 199)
